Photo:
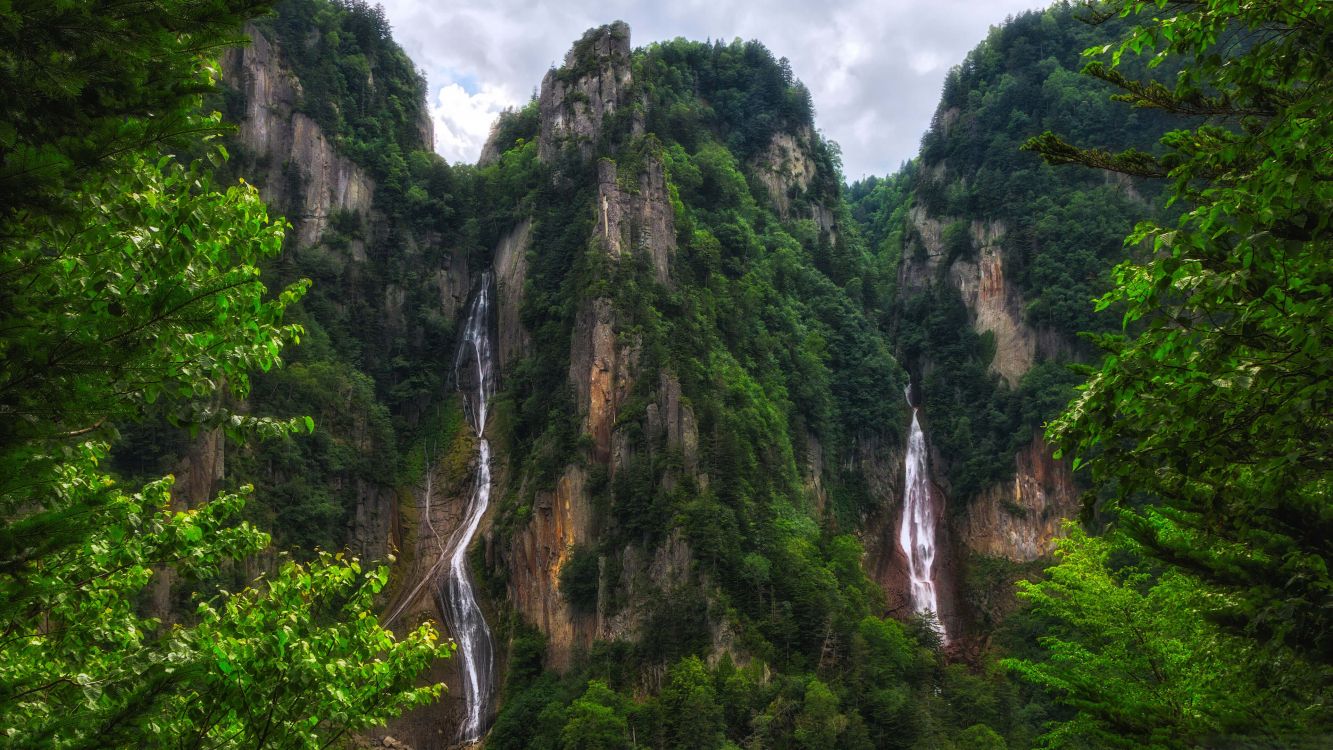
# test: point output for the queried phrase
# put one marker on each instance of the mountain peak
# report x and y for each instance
(593, 83)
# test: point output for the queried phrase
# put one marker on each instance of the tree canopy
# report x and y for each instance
(130, 282)
(1208, 427)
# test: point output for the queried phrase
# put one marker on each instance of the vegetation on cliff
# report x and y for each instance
(1060, 231)
(768, 323)
(135, 315)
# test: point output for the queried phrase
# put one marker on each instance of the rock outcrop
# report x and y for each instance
(995, 304)
(785, 169)
(1022, 519)
(638, 220)
(561, 520)
(303, 172)
(511, 273)
(591, 85)
(602, 368)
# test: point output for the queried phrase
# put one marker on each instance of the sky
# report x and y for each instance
(874, 67)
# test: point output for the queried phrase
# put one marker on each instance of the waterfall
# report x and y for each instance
(475, 371)
(916, 536)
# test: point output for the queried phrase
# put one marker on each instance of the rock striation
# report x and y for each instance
(302, 171)
(638, 220)
(591, 85)
(1021, 521)
(1018, 519)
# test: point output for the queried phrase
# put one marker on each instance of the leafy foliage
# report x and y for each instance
(130, 285)
(137, 58)
(1134, 653)
(1219, 407)
(1206, 425)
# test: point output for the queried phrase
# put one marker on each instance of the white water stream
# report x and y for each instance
(916, 535)
(474, 369)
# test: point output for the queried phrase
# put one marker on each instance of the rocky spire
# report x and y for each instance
(593, 83)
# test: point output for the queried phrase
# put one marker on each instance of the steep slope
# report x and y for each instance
(332, 127)
(700, 425)
(698, 443)
(999, 258)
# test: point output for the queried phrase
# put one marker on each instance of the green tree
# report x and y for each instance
(1131, 650)
(1216, 405)
(130, 283)
(1207, 426)
(80, 76)
(596, 721)
(819, 723)
(980, 737)
(693, 717)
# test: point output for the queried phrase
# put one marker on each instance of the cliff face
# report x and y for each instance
(637, 219)
(1021, 522)
(372, 299)
(995, 305)
(633, 218)
(1017, 519)
(302, 171)
(511, 273)
(592, 84)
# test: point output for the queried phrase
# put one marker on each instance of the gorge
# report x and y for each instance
(643, 453)
(671, 445)
(649, 429)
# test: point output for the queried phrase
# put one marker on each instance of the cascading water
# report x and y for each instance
(475, 373)
(917, 532)
(474, 369)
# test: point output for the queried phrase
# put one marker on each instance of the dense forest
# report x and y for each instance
(234, 444)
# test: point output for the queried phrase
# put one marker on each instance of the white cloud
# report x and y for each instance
(463, 120)
(874, 67)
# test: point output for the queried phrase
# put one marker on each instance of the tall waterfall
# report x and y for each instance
(917, 533)
(474, 369)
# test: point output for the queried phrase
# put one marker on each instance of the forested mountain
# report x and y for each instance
(699, 434)
(684, 441)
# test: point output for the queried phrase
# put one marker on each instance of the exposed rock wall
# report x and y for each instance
(561, 519)
(592, 84)
(602, 368)
(1022, 519)
(1017, 519)
(301, 170)
(785, 169)
(639, 220)
(511, 273)
(995, 304)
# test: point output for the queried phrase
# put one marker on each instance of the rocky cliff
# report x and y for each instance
(1021, 522)
(288, 156)
(1016, 518)
(634, 219)
(699, 432)
(591, 85)
(307, 177)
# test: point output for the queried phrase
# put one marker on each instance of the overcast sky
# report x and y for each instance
(874, 67)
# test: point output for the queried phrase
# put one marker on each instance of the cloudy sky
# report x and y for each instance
(874, 67)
